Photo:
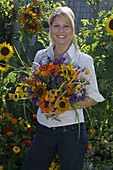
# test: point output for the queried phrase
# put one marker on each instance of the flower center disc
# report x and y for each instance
(40, 91)
(5, 51)
(62, 104)
(111, 24)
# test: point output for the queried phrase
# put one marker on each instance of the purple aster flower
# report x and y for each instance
(73, 98)
(49, 59)
(22, 78)
(34, 100)
(60, 61)
(58, 80)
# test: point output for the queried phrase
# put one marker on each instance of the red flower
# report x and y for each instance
(10, 145)
(8, 129)
(30, 129)
(27, 142)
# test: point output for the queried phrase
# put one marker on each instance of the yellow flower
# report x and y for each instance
(109, 25)
(92, 130)
(78, 88)
(6, 50)
(3, 65)
(16, 149)
(89, 146)
(27, 125)
(62, 105)
(1, 167)
(21, 90)
(102, 138)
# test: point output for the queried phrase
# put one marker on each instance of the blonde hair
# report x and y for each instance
(66, 13)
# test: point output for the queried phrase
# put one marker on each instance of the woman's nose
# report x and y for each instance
(61, 29)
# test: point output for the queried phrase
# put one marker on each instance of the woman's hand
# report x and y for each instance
(52, 114)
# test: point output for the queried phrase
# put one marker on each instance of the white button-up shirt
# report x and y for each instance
(76, 57)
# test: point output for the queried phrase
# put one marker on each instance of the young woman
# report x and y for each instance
(61, 137)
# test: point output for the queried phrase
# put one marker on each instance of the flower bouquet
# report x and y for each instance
(56, 86)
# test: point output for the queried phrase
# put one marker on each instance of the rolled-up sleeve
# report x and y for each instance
(92, 88)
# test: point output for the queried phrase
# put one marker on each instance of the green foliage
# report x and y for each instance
(6, 18)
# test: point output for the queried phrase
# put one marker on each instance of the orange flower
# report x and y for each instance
(53, 69)
(46, 106)
(89, 146)
(35, 115)
(70, 89)
(42, 70)
(92, 131)
(50, 97)
(31, 82)
(102, 137)
(10, 95)
(87, 71)
(14, 121)
(7, 115)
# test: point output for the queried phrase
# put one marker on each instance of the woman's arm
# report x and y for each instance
(87, 102)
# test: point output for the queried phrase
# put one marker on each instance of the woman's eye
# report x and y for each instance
(56, 26)
(66, 26)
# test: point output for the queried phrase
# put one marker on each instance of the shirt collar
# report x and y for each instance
(70, 53)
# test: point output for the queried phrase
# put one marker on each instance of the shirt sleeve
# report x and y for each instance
(92, 88)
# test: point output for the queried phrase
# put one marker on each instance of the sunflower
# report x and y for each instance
(62, 105)
(29, 21)
(39, 90)
(6, 50)
(36, 8)
(3, 65)
(69, 72)
(26, 16)
(32, 26)
(109, 25)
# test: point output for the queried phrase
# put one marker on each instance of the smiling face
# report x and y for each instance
(61, 31)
